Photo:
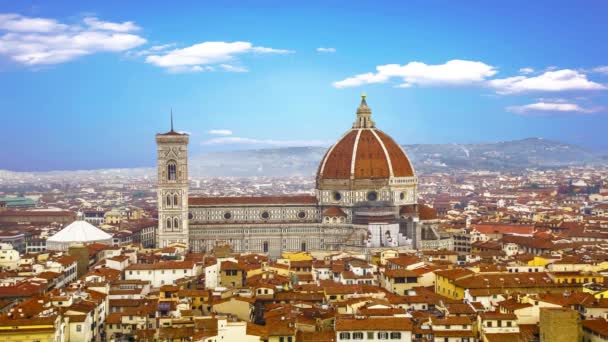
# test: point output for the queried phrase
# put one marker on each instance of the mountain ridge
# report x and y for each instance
(303, 161)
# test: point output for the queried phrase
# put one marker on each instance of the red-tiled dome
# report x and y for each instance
(365, 153)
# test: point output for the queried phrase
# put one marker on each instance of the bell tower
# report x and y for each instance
(172, 191)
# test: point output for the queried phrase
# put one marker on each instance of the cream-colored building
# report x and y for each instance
(9, 257)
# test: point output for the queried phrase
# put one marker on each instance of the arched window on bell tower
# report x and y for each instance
(175, 200)
(171, 170)
(168, 200)
(175, 223)
(169, 224)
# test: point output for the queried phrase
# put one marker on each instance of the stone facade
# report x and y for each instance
(172, 148)
(366, 198)
(559, 324)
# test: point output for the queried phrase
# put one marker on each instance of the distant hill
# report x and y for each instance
(506, 155)
(304, 161)
(276, 162)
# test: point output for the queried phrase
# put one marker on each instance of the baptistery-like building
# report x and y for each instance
(365, 198)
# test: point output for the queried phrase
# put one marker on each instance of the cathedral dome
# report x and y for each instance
(364, 153)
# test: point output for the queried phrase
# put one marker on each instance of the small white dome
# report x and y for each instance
(80, 231)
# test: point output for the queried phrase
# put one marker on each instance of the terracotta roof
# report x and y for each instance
(493, 228)
(452, 320)
(381, 312)
(502, 280)
(399, 273)
(334, 211)
(404, 260)
(316, 336)
(426, 213)
(167, 265)
(265, 200)
(21, 322)
(372, 153)
(598, 326)
(497, 316)
(36, 213)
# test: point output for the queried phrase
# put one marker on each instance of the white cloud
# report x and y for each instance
(549, 81)
(220, 132)
(454, 72)
(18, 23)
(233, 68)
(251, 142)
(601, 69)
(526, 71)
(97, 24)
(162, 47)
(326, 49)
(261, 49)
(555, 106)
(38, 41)
(200, 55)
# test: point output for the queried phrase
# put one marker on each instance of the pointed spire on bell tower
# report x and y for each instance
(364, 115)
(172, 120)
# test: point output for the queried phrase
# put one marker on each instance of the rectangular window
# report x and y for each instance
(383, 335)
(345, 336)
(395, 335)
(370, 335)
(78, 328)
(357, 336)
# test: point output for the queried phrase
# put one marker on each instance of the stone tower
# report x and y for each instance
(364, 115)
(172, 204)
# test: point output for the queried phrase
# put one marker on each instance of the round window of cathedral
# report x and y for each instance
(265, 215)
(337, 196)
(302, 214)
(402, 196)
(372, 196)
(227, 216)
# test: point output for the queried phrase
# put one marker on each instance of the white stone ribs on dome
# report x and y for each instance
(330, 151)
(388, 158)
(405, 154)
(354, 156)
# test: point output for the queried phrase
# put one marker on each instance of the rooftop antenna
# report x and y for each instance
(171, 119)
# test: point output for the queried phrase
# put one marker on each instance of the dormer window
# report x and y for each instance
(172, 170)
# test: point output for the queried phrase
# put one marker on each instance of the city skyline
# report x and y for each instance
(86, 86)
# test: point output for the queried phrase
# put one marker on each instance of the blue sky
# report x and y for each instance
(86, 85)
